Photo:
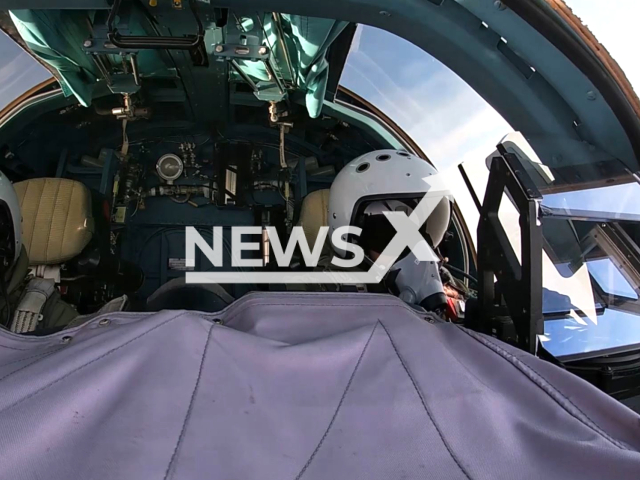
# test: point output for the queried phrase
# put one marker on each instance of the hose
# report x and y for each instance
(186, 199)
(460, 272)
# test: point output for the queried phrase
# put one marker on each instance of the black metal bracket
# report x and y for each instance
(519, 282)
(188, 42)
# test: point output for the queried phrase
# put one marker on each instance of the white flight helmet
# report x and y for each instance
(384, 175)
(10, 224)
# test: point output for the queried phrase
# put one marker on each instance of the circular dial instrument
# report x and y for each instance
(169, 167)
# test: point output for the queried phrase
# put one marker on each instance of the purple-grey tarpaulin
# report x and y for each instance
(291, 386)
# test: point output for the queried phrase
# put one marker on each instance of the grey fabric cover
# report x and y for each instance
(297, 385)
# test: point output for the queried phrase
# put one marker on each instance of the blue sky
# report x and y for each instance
(446, 117)
(18, 71)
(449, 120)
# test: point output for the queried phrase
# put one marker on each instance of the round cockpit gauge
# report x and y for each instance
(169, 167)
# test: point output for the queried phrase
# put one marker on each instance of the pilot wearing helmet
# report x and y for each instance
(27, 304)
(362, 195)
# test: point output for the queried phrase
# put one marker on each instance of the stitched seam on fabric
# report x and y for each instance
(35, 217)
(235, 314)
(238, 312)
(14, 348)
(24, 196)
(32, 394)
(55, 200)
(471, 372)
(424, 404)
(40, 357)
(255, 297)
(191, 402)
(28, 358)
(522, 366)
(66, 221)
(335, 414)
(46, 339)
(543, 384)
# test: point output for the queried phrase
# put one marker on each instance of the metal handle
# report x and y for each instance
(187, 42)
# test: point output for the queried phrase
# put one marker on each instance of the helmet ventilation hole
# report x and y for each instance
(383, 158)
(363, 167)
(403, 154)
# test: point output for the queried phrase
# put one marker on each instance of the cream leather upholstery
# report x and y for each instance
(56, 219)
(314, 214)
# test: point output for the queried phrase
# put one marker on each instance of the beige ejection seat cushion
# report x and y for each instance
(56, 219)
(314, 214)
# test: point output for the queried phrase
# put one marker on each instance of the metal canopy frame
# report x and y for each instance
(519, 282)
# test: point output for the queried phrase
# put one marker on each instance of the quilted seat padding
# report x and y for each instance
(56, 219)
(314, 214)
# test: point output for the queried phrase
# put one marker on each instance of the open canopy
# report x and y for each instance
(274, 55)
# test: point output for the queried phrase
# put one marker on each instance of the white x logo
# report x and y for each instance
(408, 234)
